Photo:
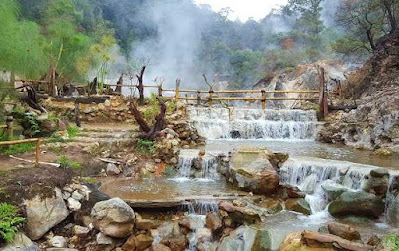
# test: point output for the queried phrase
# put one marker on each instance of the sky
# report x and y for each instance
(244, 9)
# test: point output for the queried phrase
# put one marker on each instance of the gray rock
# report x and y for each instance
(112, 169)
(58, 242)
(333, 191)
(113, 217)
(20, 242)
(77, 196)
(73, 204)
(298, 205)
(247, 238)
(44, 214)
(102, 239)
(81, 231)
(357, 204)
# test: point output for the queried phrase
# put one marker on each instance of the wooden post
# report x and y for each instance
(77, 114)
(198, 98)
(322, 94)
(37, 152)
(263, 99)
(160, 90)
(210, 98)
(10, 130)
(177, 90)
(52, 91)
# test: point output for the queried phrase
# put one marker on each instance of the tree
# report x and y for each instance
(366, 22)
(309, 22)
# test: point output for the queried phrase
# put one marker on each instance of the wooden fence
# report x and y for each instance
(24, 141)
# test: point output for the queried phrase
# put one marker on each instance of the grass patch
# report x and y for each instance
(88, 180)
(16, 149)
(73, 131)
(392, 242)
(66, 163)
(9, 222)
(146, 146)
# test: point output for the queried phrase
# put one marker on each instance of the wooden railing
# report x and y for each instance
(24, 141)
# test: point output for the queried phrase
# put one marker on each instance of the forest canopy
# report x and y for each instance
(86, 38)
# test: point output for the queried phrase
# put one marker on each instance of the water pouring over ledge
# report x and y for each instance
(234, 123)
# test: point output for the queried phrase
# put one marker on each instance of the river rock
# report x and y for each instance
(20, 242)
(358, 204)
(81, 231)
(343, 231)
(293, 242)
(213, 221)
(272, 206)
(333, 191)
(112, 169)
(58, 242)
(251, 170)
(113, 217)
(138, 243)
(246, 238)
(240, 215)
(44, 214)
(298, 205)
(377, 182)
(146, 224)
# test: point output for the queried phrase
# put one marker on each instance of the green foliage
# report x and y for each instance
(66, 163)
(153, 110)
(392, 242)
(9, 222)
(146, 146)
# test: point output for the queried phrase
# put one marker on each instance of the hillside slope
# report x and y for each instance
(375, 86)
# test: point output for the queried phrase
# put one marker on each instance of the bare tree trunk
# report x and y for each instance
(140, 86)
(150, 133)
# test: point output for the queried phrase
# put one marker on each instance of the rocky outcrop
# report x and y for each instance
(373, 124)
(113, 217)
(20, 242)
(358, 204)
(42, 214)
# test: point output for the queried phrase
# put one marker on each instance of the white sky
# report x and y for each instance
(244, 9)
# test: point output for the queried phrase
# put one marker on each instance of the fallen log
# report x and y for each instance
(31, 161)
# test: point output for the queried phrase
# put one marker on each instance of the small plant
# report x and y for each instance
(9, 222)
(73, 131)
(146, 146)
(169, 171)
(66, 163)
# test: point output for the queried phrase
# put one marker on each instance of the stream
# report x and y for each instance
(311, 167)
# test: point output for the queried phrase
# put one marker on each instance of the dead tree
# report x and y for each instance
(140, 85)
(150, 132)
(31, 98)
(119, 85)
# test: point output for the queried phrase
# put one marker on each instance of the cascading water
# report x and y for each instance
(192, 165)
(314, 176)
(392, 201)
(234, 123)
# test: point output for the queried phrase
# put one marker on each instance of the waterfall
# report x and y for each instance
(313, 176)
(222, 123)
(191, 165)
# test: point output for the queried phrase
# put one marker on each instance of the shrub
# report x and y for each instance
(73, 131)
(66, 163)
(9, 221)
(146, 146)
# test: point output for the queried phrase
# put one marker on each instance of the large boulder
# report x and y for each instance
(255, 170)
(358, 204)
(42, 214)
(113, 217)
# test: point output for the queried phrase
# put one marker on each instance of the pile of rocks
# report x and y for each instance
(167, 147)
(187, 134)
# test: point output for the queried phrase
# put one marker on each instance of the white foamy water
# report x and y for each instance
(205, 168)
(223, 123)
